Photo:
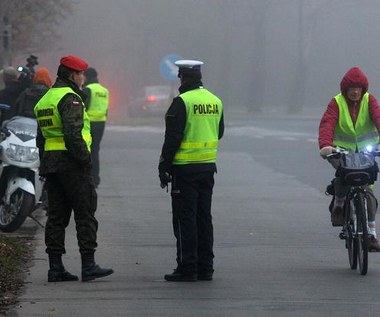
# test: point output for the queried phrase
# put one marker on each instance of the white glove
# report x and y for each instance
(327, 150)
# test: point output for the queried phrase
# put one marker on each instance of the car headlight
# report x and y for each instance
(19, 153)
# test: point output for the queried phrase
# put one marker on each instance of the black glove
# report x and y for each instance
(165, 179)
(163, 172)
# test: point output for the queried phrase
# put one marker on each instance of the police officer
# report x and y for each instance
(194, 124)
(64, 140)
(96, 103)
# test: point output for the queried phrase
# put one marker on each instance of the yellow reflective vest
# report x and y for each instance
(203, 114)
(355, 137)
(97, 109)
(50, 123)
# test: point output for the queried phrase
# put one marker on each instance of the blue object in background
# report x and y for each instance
(167, 67)
(3, 106)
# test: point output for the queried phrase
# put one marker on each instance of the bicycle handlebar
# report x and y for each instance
(339, 151)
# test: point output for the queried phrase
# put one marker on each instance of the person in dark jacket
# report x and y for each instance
(97, 97)
(194, 124)
(351, 121)
(28, 99)
(64, 141)
(12, 90)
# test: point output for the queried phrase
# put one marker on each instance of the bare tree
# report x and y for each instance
(310, 13)
(306, 25)
(259, 70)
(32, 23)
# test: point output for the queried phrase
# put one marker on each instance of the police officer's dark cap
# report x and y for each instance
(91, 73)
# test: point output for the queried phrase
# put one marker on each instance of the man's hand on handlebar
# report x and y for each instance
(327, 150)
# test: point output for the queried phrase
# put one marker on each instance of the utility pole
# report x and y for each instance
(7, 42)
(2, 48)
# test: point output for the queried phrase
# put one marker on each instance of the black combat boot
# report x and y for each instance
(205, 275)
(57, 272)
(179, 276)
(90, 270)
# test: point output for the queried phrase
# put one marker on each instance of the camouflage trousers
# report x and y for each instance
(71, 193)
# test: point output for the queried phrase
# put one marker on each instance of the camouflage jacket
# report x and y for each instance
(77, 158)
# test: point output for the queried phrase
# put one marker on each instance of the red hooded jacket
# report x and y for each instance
(353, 78)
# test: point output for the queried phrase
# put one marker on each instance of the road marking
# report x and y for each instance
(247, 131)
(288, 138)
(256, 132)
(138, 129)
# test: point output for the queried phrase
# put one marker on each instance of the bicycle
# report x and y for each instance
(358, 170)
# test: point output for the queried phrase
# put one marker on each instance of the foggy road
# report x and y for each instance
(276, 253)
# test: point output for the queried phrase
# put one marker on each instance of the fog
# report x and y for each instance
(259, 55)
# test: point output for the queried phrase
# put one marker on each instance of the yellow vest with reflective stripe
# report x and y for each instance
(97, 109)
(50, 123)
(203, 114)
(355, 137)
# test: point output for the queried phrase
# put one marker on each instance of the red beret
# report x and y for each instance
(74, 62)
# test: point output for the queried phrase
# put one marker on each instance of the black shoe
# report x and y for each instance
(93, 272)
(373, 244)
(205, 276)
(342, 234)
(337, 217)
(178, 276)
(61, 276)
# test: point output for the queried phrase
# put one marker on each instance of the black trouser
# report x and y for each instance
(67, 192)
(97, 131)
(192, 221)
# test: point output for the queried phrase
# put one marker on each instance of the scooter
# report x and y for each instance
(20, 185)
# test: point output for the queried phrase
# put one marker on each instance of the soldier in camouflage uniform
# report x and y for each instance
(64, 140)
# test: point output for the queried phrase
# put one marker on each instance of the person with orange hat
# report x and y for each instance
(28, 99)
(64, 143)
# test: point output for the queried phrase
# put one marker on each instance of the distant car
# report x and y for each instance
(152, 100)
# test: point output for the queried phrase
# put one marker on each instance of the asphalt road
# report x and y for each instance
(276, 252)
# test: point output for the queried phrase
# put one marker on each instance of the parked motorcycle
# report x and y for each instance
(20, 185)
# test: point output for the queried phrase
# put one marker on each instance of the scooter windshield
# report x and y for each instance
(24, 128)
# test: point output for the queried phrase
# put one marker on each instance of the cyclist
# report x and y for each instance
(351, 121)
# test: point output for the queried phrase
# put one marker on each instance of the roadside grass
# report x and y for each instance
(13, 262)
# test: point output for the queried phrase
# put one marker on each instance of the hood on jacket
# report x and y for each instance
(354, 77)
(10, 74)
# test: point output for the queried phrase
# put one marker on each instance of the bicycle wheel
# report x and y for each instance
(351, 246)
(362, 234)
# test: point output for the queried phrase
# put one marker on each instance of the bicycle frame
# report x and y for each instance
(352, 195)
(356, 228)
